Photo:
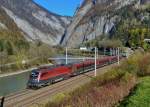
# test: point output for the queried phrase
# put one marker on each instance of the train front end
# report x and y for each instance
(34, 80)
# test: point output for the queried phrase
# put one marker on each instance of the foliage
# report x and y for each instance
(133, 27)
(93, 95)
(11, 38)
(144, 65)
(104, 43)
(33, 56)
(138, 64)
(140, 96)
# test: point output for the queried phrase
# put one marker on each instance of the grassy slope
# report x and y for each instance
(140, 96)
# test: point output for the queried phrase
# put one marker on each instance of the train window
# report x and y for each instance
(34, 74)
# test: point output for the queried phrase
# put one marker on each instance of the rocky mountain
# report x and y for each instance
(95, 18)
(144, 1)
(11, 37)
(35, 22)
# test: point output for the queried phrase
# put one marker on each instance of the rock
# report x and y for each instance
(93, 20)
(2, 26)
(36, 22)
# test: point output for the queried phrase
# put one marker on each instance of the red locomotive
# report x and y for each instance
(48, 75)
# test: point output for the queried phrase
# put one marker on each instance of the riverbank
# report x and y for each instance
(15, 73)
(21, 71)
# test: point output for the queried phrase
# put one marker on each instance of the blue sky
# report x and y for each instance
(61, 7)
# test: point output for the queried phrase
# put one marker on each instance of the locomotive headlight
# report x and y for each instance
(36, 79)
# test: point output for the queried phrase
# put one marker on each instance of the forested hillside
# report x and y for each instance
(128, 21)
(132, 28)
(11, 37)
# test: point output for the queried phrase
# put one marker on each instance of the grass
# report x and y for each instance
(140, 97)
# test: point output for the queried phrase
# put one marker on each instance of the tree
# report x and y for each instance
(9, 48)
(1, 46)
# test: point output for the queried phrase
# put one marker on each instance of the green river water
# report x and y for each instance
(13, 83)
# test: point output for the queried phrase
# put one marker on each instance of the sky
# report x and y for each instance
(61, 7)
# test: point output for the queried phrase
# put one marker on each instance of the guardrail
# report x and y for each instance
(2, 99)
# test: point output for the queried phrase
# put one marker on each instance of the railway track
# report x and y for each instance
(33, 99)
(40, 94)
(17, 94)
(28, 97)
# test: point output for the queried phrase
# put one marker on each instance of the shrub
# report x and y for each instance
(98, 96)
(59, 98)
(144, 65)
(104, 90)
(138, 64)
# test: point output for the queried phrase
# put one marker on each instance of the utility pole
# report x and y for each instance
(1, 61)
(97, 53)
(111, 54)
(114, 51)
(104, 51)
(95, 61)
(0, 64)
(66, 56)
(118, 57)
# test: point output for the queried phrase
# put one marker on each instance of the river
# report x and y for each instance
(10, 84)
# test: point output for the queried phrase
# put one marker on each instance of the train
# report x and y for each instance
(44, 76)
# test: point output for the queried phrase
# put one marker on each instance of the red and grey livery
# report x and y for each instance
(48, 75)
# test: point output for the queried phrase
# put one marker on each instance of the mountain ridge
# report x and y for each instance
(96, 18)
(36, 22)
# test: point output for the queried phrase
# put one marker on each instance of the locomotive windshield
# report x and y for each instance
(34, 74)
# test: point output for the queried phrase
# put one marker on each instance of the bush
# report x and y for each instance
(138, 64)
(104, 90)
(144, 65)
(93, 95)
(132, 63)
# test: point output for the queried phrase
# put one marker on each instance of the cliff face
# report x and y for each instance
(144, 1)
(92, 19)
(35, 22)
(95, 18)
